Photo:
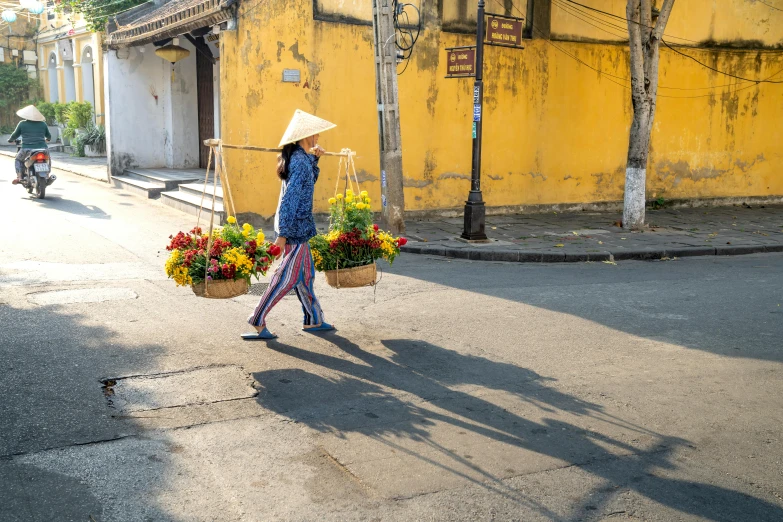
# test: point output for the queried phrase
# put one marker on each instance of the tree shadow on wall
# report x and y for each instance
(403, 398)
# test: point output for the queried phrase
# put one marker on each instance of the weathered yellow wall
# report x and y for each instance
(555, 131)
(715, 21)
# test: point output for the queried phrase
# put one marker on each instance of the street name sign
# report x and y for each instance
(461, 62)
(504, 31)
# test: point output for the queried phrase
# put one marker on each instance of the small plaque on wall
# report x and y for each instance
(292, 76)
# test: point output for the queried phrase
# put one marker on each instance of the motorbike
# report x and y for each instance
(37, 172)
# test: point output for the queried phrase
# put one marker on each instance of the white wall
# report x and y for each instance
(54, 88)
(182, 119)
(70, 81)
(143, 132)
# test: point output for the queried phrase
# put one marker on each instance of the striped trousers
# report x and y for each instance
(296, 272)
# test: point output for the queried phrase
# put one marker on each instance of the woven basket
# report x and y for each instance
(221, 289)
(352, 277)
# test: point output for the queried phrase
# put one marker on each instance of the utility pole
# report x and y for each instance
(474, 206)
(392, 197)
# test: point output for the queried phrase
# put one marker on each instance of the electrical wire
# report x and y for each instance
(612, 78)
(571, 10)
(405, 39)
(626, 20)
(559, 4)
(717, 70)
(770, 6)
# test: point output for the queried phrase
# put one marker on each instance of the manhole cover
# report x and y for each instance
(85, 295)
(182, 388)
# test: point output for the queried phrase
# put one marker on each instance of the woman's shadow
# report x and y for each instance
(382, 397)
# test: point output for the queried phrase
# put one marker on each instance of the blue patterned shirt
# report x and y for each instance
(294, 219)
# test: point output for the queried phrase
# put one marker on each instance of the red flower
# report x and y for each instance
(180, 241)
(251, 247)
(375, 227)
(274, 250)
(229, 271)
(402, 241)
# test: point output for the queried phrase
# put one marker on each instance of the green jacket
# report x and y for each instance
(33, 133)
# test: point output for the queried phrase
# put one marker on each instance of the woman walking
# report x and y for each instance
(294, 226)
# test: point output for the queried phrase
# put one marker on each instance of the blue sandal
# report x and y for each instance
(324, 327)
(263, 335)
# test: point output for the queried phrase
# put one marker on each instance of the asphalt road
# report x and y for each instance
(457, 390)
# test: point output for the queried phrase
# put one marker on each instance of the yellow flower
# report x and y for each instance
(368, 201)
(260, 237)
(332, 201)
(317, 259)
(246, 233)
(339, 196)
(238, 257)
(231, 219)
(349, 198)
(363, 194)
(173, 262)
(348, 193)
(181, 276)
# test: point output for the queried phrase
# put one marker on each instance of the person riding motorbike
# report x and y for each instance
(34, 134)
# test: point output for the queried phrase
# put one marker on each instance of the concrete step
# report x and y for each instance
(196, 188)
(170, 179)
(139, 187)
(190, 203)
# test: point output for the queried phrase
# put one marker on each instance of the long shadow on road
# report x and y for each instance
(51, 363)
(435, 376)
(729, 306)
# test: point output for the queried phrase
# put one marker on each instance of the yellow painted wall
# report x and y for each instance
(555, 131)
(719, 21)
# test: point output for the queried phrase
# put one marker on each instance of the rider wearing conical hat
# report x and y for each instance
(297, 167)
(34, 134)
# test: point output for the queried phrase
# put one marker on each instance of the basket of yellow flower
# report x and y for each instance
(220, 263)
(219, 266)
(348, 252)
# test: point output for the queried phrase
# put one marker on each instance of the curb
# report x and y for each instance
(62, 167)
(529, 256)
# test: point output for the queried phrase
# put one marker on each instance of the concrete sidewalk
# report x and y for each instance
(95, 168)
(597, 236)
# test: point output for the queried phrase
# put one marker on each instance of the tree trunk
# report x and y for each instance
(644, 37)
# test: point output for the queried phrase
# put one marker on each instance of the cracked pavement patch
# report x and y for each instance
(182, 388)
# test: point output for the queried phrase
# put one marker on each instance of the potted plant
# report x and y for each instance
(95, 141)
(61, 120)
(79, 115)
(47, 109)
(348, 252)
(220, 266)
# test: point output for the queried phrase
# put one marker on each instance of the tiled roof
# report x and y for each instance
(171, 19)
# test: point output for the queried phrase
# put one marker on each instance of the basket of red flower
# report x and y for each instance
(220, 266)
(348, 252)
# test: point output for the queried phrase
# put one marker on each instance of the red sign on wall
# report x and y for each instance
(460, 62)
(504, 31)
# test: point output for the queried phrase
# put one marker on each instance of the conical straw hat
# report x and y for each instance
(30, 113)
(304, 125)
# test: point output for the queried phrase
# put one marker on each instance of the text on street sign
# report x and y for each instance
(504, 31)
(460, 62)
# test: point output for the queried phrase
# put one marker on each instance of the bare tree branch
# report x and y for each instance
(663, 19)
(637, 51)
(646, 20)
